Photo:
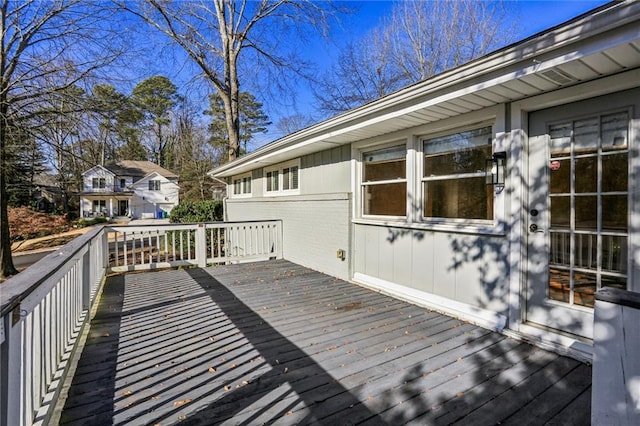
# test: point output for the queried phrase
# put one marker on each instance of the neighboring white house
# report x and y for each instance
(137, 189)
(393, 194)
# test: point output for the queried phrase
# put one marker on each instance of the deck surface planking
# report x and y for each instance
(274, 342)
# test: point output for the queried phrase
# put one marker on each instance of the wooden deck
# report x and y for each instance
(276, 343)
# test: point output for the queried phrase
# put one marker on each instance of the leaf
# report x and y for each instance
(212, 370)
(179, 403)
(127, 392)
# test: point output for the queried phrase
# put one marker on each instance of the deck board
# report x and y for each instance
(277, 343)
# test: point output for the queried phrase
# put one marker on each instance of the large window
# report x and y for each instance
(283, 179)
(453, 181)
(242, 185)
(384, 182)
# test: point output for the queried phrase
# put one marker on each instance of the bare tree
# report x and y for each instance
(46, 47)
(420, 39)
(225, 37)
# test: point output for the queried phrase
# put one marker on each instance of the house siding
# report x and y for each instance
(313, 227)
(316, 223)
(470, 269)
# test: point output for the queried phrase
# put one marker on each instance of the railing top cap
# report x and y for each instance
(20, 286)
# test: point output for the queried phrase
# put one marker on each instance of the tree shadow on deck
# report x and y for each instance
(291, 387)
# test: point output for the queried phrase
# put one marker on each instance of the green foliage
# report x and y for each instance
(199, 211)
(252, 120)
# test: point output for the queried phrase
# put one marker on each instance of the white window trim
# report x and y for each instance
(242, 178)
(279, 168)
(420, 178)
(361, 185)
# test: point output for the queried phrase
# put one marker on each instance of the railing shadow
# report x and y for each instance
(91, 393)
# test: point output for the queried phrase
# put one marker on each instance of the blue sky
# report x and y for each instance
(533, 16)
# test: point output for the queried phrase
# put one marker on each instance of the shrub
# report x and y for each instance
(90, 222)
(198, 211)
(25, 223)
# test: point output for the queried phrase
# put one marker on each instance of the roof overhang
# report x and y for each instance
(602, 43)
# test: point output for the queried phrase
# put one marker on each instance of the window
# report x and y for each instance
(154, 185)
(384, 182)
(99, 183)
(453, 181)
(123, 183)
(272, 181)
(242, 185)
(99, 206)
(290, 178)
(283, 179)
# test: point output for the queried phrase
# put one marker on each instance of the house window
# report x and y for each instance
(154, 185)
(453, 181)
(272, 181)
(99, 206)
(283, 179)
(99, 183)
(384, 182)
(242, 185)
(290, 178)
(123, 183)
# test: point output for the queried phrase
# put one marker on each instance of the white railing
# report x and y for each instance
(44, 308)
(133, 248)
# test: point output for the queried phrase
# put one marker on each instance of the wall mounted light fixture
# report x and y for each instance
(496, 169)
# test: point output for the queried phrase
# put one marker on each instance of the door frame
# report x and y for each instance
(518, 211)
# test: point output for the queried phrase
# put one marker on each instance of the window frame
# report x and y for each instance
(102, 183)
(245, 183)
(422, 180)
(363, 185)
(279, 169)
(154, 185)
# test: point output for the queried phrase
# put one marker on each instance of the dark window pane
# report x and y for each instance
(385, 170)
(560, 212)
(587, 213)
(386, 199)
(586, 174)
(614, 254)
(559, 285)
(561, 177)
(469, 198)
(615, 173)
(614, 212)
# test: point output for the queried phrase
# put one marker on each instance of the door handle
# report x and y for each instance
(534, 228)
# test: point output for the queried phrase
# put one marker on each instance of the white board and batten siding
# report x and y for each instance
(465, 275)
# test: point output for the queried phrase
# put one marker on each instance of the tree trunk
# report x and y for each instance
(6, 261)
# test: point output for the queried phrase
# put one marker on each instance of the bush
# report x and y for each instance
(82, 223)
(198, 211)
(25, 223)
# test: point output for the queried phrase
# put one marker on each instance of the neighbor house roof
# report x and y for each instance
(139, 169)
(602, 42)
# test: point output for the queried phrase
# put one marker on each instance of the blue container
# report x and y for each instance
(160, 214)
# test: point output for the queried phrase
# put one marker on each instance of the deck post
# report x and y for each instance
(201, 245)
(11, 369)
(616, 365)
